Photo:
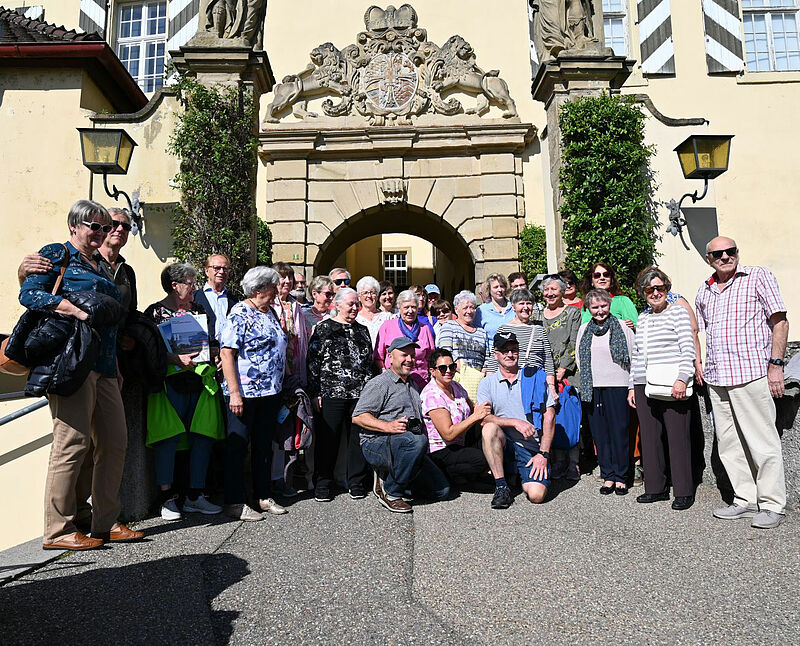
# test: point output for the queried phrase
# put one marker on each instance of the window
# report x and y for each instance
(770, 35)
(142, 42)
(615, 26)
(395, 268)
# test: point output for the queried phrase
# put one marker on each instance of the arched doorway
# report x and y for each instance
(455, 274)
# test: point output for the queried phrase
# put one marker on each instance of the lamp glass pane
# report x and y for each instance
(687, 158)
(100, 147)
(712, 154)
(125, 153)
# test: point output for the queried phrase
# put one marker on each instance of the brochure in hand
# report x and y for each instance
(187, 334)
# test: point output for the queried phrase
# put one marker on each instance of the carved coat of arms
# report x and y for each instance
(391, 73)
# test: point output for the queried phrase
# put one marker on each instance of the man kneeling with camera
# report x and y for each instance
(393, 437)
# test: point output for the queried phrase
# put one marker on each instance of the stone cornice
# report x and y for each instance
(317, 143)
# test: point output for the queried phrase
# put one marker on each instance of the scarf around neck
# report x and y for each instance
(617, 344)
(410, 332)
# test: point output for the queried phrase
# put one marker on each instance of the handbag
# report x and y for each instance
(662, 376)
(8, 365)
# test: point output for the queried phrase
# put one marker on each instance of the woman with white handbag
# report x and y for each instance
(662, 378)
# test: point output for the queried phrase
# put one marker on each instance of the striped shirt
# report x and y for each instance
(668, 338)
(736, 323)
(472, 347)
(532, 352)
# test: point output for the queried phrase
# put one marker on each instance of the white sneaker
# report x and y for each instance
(201, 506)
(243, 512)
(271, 507)
(170, 511)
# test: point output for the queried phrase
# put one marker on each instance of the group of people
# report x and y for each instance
(424, 394)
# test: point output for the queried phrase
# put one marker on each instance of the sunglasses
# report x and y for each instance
(444, 369)
(731, 251)
(342, 281)
(552, 277)
(601, 274)
(126, 226)
(219, 269)
(96, 226)
(655, 288)
(505, 350)
(327, 294)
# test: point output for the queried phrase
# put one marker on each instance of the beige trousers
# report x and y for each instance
(749, 444)
(92, 416)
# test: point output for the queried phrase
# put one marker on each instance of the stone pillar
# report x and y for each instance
(563, 79)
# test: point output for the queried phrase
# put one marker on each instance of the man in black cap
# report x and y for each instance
(510, 423)
(393, 437)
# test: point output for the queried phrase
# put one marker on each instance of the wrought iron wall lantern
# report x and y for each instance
(108, 151)
(701, 157)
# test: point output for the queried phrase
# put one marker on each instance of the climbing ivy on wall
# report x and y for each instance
(608, 211)
(533, 250)
(216, 143)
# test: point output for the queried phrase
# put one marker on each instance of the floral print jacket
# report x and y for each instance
(261, 346)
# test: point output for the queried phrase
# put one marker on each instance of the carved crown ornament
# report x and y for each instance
(392, 73)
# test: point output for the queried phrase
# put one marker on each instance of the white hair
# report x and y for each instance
(339, 270)
(407, 295)
(366, 282)
(259, 278)
(464, 295)
(343, 293)
(550, 279)
(708, 244)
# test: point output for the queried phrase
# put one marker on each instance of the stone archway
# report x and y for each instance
(409, 219)
(462, 183)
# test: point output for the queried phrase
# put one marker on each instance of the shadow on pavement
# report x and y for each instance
(157, 602)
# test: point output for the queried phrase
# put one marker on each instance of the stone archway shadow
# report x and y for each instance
(403, 218)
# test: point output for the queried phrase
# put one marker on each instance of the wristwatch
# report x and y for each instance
(777, 362)
(545, 454)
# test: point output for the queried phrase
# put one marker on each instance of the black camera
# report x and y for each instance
(415, 426)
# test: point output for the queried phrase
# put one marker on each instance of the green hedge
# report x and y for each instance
(533, 250)
(216, 143)
(607, 185)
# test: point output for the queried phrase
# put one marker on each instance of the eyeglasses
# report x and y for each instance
(601, 274)
(126, 226)
(731, 251)
(655, 288)
(341, 281)
(444, 369)
(96, 226)
(217, 269)
(369, 292)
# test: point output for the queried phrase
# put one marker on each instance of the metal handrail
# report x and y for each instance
(7, 397)
(24, 411)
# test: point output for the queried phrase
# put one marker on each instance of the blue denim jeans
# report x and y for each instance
(402, 460)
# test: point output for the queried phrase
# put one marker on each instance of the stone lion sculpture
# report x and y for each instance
(327, 72)
(458, 71)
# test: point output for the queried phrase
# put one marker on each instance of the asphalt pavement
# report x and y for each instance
(580, 569)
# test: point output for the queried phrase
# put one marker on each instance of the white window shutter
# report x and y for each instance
(92, 17)
(655, 36)
(723, 29)
(183, 22)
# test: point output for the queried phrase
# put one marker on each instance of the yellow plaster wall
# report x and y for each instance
(59, 12)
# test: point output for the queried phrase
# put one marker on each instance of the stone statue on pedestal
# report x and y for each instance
(231, 19)
(563, 26)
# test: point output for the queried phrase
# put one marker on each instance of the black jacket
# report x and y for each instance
(146, 364)
(61, 350)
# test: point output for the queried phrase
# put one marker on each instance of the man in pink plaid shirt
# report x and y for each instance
(744, 318)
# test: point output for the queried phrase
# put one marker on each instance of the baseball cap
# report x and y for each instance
(432, 289)
(504, 338)
(400, 343)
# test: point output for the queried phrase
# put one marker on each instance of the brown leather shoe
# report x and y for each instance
(119, 534)
(76, 541)
(397, 506)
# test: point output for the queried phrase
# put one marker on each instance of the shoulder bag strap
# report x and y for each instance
(60, 278)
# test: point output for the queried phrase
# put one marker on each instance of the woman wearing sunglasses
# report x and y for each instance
(448, 414)
(571, 295)
(322, 293)
(92, 419)
(603, 276)
(663, 338)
